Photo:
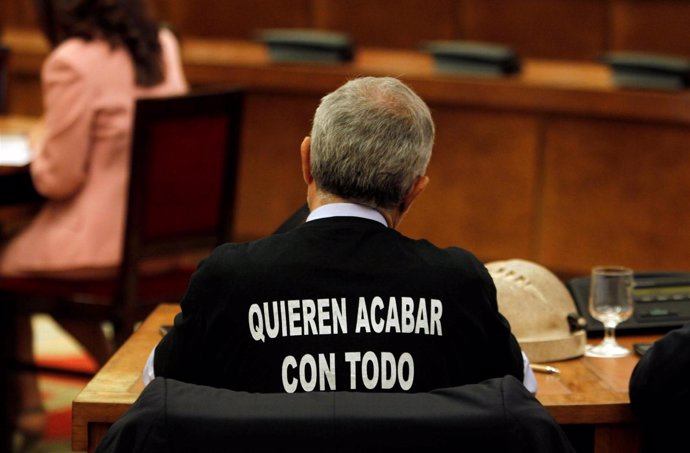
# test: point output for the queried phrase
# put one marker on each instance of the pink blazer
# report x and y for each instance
(82, 164)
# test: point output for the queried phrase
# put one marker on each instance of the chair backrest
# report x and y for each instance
(4, 70)
(183, 176)
(498, 415)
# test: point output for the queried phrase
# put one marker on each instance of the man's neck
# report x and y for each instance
(317, 198)
(346, 210)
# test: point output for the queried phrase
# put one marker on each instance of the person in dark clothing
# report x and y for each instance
(344, 301)
(660, 391)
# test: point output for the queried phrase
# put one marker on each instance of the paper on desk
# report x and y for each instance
(14, 150)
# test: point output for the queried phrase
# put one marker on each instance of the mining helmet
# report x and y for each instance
(540, 310)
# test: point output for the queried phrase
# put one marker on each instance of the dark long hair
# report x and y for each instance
(125, 23)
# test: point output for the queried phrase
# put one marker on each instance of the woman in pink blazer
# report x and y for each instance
(106, 54)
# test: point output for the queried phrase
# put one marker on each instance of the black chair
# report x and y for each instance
(181, 205)
(498, 415)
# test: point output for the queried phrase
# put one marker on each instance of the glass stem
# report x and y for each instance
(610, 334)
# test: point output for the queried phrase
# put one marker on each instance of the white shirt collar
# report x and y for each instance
(347, 210)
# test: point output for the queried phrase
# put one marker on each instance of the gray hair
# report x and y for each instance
(370, 139)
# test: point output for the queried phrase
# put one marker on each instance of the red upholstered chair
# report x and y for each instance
(181, 199)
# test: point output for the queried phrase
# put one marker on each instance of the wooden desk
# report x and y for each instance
(587, 392)
(117, 384)
(17, 123)
(592, 391)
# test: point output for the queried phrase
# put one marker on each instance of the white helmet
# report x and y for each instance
(540, 310)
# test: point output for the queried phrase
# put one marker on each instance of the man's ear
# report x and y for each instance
(417, 188)
(305, 157)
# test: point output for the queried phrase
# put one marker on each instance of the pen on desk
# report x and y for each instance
(544, 369)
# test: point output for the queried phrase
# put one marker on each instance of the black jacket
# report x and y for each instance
(660, 392)
(339, 304)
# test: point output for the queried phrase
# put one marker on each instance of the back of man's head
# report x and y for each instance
(370, 140)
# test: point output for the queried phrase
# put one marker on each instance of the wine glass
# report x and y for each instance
(610, 301)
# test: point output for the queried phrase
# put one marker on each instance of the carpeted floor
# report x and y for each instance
(53, 346)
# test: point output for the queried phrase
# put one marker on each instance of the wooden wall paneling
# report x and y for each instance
(388, 23)
(561, 29)
(651, 26)
(616, 192)
(483, 176)
(234, 19)
(270, 180)
(28, 48)
(24, 96)
(161, 10)
(17, 13)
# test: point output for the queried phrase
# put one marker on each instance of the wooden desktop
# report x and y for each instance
(587, 391)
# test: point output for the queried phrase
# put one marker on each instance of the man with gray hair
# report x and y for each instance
(343, 302)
